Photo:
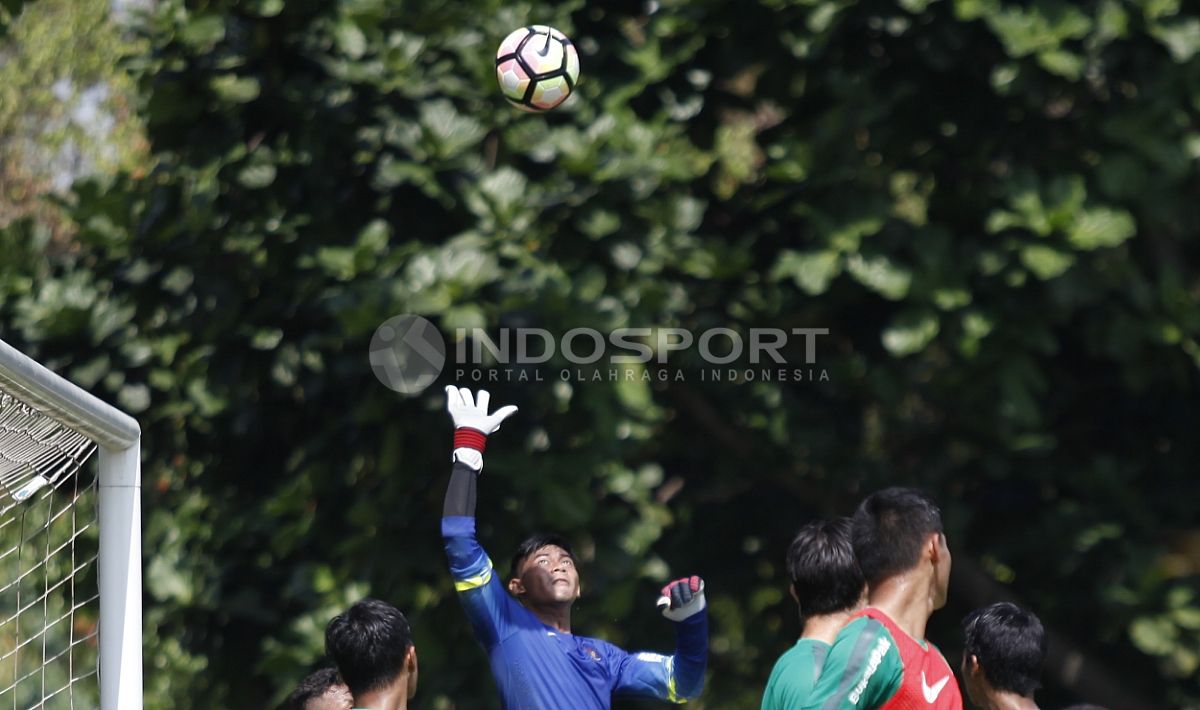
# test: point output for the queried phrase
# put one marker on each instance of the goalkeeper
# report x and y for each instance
(538, 663)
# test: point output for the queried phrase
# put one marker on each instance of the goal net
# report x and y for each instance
(70, 579)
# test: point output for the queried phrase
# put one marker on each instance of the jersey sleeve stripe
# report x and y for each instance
(820, 653)
(856, 674)
(673, 695)
(475, 581)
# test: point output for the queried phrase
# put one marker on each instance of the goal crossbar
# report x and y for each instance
(119, 565)
(41, 389)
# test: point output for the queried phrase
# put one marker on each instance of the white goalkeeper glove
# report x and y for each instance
(682, 598)
(472, 423)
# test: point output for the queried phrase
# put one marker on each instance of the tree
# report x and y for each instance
(65, 108)
(981, 201)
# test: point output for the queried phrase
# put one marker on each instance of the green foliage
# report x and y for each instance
(8, 10)
(64, 103)
(983, 201)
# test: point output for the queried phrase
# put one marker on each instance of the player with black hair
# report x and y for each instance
(371, 643)
(525, 625)
(322, 689)
(881, 659)
(1003, 655)
(828, 588)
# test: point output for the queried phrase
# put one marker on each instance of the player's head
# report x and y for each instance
(899, 530)
(543, 572)
(320, 690)
(371, 643)
(824, 573)
(1004, 650)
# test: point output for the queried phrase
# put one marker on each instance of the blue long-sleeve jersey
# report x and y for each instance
(539, 668)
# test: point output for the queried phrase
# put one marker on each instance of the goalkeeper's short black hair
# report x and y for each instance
(1010, 645)
(369, 643)
(889, 528)
(823, 569)
(532, 544)
(313, 686)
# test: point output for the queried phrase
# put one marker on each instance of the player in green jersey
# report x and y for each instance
(828, 587)
(881, 659)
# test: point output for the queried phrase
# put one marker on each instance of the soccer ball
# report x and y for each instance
(537, 67)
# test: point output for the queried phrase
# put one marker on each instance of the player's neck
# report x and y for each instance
(825, 627)
(557, 617)
(393, 697)
(907, 600)
(382, 701)
(1001, 700)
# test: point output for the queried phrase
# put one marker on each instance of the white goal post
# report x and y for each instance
(118, 558)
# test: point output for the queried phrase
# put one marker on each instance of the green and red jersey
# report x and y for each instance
(874, 665)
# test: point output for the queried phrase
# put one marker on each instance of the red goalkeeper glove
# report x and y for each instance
(682, 598)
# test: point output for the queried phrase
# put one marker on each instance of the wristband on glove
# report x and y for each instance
(468, 438)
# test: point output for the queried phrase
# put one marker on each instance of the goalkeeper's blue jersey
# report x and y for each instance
(540, 668)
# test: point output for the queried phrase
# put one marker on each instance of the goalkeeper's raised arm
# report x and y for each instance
(525, 624)
(488, 605)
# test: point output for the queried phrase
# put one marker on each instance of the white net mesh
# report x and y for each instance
(48, 591)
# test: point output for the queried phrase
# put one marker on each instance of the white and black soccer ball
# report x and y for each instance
(537, 67)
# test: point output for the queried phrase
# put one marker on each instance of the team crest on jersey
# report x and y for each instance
(592, 653)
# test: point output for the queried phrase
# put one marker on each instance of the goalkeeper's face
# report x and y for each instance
(547, 577)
